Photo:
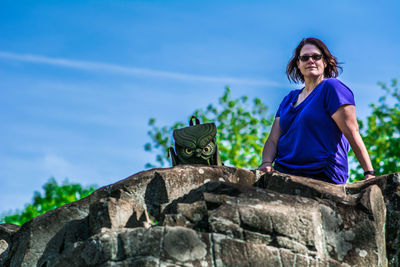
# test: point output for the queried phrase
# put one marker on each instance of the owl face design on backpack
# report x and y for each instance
(196, 145)
(197, 153)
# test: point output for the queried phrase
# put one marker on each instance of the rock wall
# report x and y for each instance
(215, 216)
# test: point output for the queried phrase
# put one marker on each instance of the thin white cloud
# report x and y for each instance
(131, 71)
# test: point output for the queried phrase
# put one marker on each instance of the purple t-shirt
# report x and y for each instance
(310, 140)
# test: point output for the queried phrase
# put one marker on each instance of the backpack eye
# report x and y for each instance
(188, 151)
(209, 149)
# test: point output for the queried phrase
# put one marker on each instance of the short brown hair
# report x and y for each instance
(332, 69)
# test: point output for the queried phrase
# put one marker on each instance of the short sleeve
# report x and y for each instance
(286, 100)
(337, 94)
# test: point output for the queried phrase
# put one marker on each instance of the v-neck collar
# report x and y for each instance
(307, 99)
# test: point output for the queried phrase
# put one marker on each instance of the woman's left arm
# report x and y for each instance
(346, 120)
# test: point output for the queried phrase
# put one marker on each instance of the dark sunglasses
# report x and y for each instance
(315, 57)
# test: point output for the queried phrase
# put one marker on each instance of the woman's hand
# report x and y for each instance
(266, 167)
(369, 176)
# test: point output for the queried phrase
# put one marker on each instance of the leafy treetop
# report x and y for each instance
(54, 196)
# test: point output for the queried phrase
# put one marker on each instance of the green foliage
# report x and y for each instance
(242, 129)
(54, 196)
(382, 133)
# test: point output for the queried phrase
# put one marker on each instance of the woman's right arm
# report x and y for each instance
(270, 147)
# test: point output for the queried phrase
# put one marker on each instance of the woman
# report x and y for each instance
(315, 125)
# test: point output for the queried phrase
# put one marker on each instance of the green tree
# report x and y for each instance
(381, 134)
(54, 196)
(242, 129)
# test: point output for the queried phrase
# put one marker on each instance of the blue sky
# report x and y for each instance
(80, 79)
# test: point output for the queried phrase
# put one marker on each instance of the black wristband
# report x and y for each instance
(266, 162)
(369, 172)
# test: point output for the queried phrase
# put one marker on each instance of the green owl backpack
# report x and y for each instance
(195, 144)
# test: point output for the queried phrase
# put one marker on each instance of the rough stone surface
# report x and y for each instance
(6, 232)
(215, 216)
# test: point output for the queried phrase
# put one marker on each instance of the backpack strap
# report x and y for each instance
(196, 120)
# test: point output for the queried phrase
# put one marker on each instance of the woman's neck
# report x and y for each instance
(310, 84)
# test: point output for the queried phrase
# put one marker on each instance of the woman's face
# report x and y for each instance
(311, 68)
